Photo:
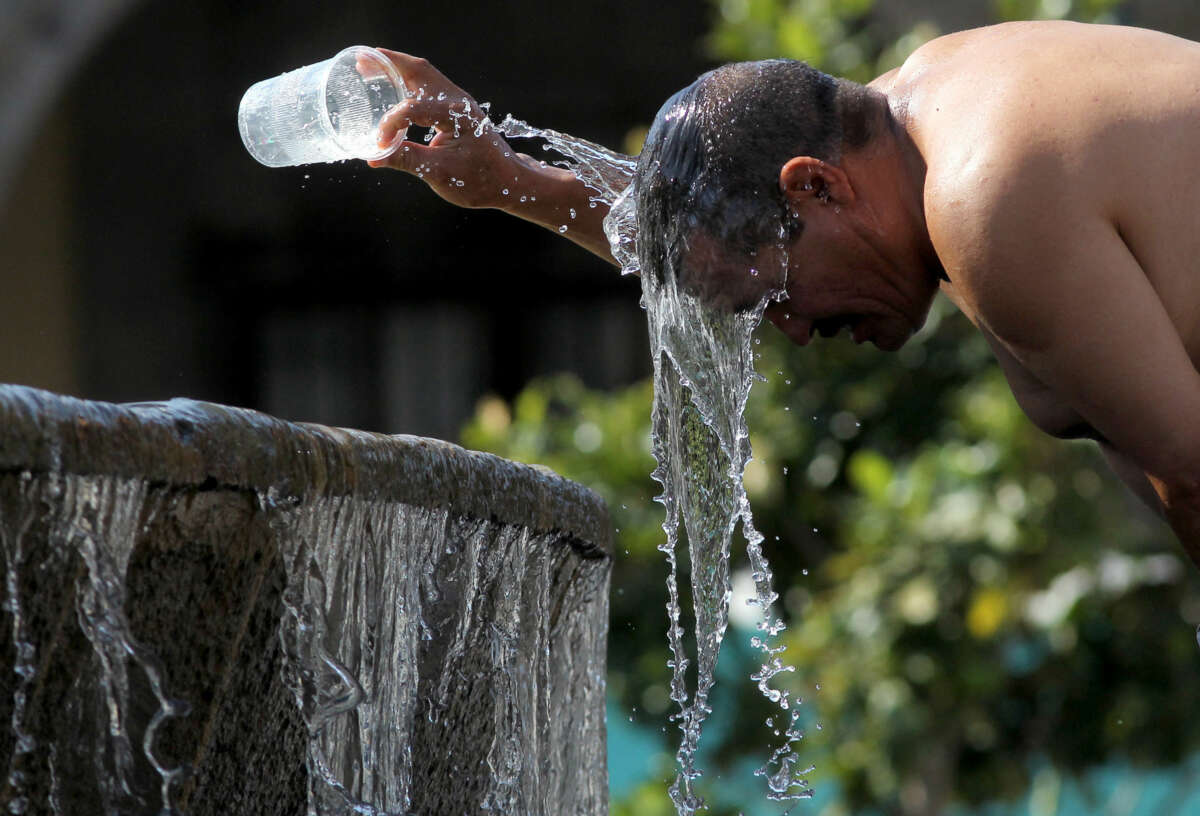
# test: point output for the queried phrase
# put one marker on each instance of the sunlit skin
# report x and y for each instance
(857, 264)
(1049, 169)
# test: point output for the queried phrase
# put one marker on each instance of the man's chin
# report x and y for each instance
(888, 343)
(885, 337)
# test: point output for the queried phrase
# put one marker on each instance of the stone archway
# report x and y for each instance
(41, 43)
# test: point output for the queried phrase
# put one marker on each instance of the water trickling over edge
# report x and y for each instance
(95, 520)
(403, 624)
(412, 626)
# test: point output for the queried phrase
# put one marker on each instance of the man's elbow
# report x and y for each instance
(1180, 497)
(1179, 492)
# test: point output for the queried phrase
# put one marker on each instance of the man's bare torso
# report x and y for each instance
(1078, 121)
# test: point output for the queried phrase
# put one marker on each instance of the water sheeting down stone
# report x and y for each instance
(214, 611)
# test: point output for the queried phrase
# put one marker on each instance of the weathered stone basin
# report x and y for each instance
(218, 612)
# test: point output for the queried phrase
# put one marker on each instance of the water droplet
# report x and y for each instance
(562, 229)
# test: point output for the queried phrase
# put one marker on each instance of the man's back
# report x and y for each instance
(1062, 196)
(1068, 117)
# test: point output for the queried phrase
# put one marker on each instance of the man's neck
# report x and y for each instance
(890, 170)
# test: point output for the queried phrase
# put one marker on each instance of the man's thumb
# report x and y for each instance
(409, 157)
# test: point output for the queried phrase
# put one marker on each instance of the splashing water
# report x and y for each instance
(604, 171)
(390, 611)
(703, 371)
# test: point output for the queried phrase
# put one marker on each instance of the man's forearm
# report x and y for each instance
(1133, 476)
(468, 163)
(555, 199)
(1186, 525)
(1181, 506)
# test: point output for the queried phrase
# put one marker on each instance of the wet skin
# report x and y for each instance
(1060, 194)
(1049, 169)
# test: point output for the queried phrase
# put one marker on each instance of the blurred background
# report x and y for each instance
(982, 620)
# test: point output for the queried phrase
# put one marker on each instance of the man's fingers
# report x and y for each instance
(368, 67)
(418, 72)
(394, 121)
(409, 157)
(445, 114)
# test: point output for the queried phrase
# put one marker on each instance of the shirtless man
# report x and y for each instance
(1044, 176)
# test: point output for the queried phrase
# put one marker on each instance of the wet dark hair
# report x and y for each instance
(712, 158)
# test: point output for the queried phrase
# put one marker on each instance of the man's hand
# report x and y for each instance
(469, 163)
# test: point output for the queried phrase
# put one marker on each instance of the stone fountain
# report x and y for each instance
(212, 611)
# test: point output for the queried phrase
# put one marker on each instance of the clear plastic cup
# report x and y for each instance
(325, 112)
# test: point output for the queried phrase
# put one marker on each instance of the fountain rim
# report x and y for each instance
(186, 442)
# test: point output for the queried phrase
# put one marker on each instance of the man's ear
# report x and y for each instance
(804, 178)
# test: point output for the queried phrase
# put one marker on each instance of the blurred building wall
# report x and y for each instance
(38, 343)
(144, 254)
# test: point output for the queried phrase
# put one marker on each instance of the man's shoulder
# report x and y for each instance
(1000, 220)
(981, 191)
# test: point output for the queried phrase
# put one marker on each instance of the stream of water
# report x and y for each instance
(703, 372)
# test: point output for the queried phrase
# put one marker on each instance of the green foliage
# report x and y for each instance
(849, 38)
(1095, 11)
(969, 595)
(838, 36)
(978, 594)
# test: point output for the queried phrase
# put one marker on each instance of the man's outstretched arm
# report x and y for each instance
(473, 166)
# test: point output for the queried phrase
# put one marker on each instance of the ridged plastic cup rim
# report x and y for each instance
(393, 76)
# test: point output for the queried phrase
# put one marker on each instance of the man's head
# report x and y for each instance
(742, 173)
